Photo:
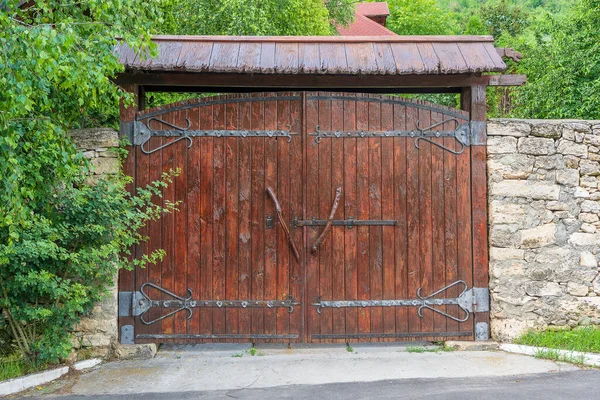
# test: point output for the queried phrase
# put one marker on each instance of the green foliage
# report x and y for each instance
(585, 339)
(562, 65)
(59, 236)
(420, 17)
(475, 26)
(254, 17)
(502, 18)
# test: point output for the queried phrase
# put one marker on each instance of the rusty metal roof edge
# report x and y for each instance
(326, 39)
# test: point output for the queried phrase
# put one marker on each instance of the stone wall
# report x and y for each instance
(98, 331)
(544, 209)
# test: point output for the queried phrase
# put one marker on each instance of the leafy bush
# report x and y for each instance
(67, 254)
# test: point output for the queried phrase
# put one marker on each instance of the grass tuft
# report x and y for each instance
(552, 354)
(429, 349)
(584, 339)
(14, 366)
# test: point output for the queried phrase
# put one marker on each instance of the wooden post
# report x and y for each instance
(127, 278)
(475, 98)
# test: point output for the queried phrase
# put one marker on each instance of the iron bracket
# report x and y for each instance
(350, 222)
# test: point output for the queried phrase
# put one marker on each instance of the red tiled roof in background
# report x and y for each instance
(373, 9)
(365, 26)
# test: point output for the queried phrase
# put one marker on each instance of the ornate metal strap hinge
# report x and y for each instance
(461, 132)
(138, 303)
(142, 132)
(469, 301)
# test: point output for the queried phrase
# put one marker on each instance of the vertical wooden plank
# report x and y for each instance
(425, 222)
(450, 226)
(283, 191)
(270, 277)
(244, 209)
(479, 193)
(388, 187)
(350, 210)
(194, 219)
(258, 214)
(154, 231)
(413, 161)
(437, 221)
(231, 218)
(326, 196)
(375, 232)
(168, 229)
(180, 223)
(141, 179)
(401, 215)
(311, 210)
(219, 214)
(337, 232)
(206, 219)
(362, 189)
(296, 188)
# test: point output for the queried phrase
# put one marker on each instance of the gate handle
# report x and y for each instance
(338, 194)
(283, 224)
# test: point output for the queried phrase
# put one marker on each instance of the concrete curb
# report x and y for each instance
(17, 385)
(590, 359)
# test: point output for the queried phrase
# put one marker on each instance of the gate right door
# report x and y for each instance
(398, 272)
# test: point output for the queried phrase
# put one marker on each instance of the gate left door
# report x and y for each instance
(229, 273)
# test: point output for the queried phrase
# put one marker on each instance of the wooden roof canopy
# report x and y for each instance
(353, 63)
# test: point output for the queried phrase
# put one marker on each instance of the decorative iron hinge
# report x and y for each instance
(142, 132)
(138, 303)
(469, 301)
(461, 132)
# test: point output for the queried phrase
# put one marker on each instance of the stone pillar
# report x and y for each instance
(98, 331)
(544, 224)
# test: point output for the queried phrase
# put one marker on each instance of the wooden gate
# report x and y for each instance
(375, 191)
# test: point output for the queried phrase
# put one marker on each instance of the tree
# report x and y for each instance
(419, 17)
(254, 17)
(60, 237)
(562, 65)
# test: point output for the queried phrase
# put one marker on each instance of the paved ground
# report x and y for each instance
(208, 372)
(551, 386)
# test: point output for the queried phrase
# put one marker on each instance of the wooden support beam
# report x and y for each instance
(509, 53)
(507, 80)
(300, 82)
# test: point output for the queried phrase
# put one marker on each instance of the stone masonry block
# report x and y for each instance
(536, 146)
(571, 148)
(502, 145)
(94, 138)
(526, 189)
(539, 236)
(503, 127)
(547, 130)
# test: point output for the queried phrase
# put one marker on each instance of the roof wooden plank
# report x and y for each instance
(384, 58)
(327, 39)
(308, 59)
(430, 59)
(195, 57)
(224, 56)
(286, 57)
(361, 58)
(332, 58)
(249, 57)
(475, 56)
(451, 59)
(407, 58)
(267, 58)
(495, 57)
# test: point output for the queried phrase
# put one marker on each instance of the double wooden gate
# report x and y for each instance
(376, 193)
